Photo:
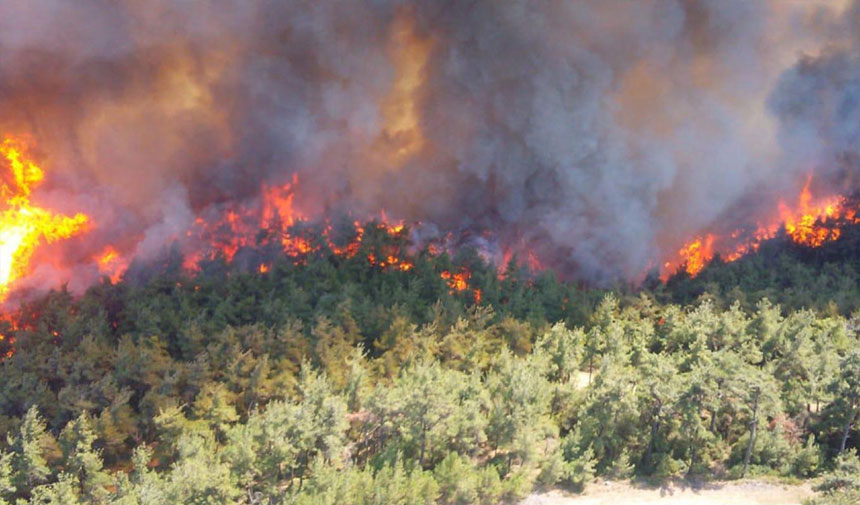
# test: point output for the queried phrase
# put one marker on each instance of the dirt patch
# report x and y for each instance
(714, 493)
(582, 380)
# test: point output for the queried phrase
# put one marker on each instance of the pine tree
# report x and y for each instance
(846, 390)
(63, 492)
(7, 487)
(31, 447)
(82, 461)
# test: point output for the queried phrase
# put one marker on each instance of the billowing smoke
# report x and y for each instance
(817, 102)
(600, 135)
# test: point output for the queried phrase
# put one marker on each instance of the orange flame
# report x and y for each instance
(277, 217)
(808, 226)
(457, 281)
(278, 205)
(23, 227)
(697, 254)
(811, 223)
(112, 264)
(238, 227)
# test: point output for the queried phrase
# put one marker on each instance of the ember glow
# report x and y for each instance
(24, 226)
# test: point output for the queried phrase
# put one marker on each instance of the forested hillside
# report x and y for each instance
(825, 278)
(336, 380)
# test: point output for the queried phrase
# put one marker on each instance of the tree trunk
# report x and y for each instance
(655, 426)
(845, 430)
(590, 367)
(693, 453)
(423, 445)
(424, 428)
(694, 441)
(692, 460)
(753, 428)
(714, 412)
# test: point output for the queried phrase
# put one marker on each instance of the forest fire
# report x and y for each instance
(218, 232)
(112, 264)
(193, 142)
(276, 221)
(811, 223)
(814, 224)
(458, 282)
(226, 233)
(282, 251)
(697, 254)
(24, 226)
(531, 262)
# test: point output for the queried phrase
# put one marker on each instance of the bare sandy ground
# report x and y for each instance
(717, 493)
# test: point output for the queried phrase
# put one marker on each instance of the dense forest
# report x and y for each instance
(337, 380)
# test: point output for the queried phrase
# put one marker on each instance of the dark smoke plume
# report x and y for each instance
(602, 134)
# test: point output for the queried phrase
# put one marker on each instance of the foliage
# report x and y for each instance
(336, 381)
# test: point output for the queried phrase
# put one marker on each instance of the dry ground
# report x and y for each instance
(716, 493)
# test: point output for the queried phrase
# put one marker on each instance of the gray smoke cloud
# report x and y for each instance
(817, 102)
(601, 135)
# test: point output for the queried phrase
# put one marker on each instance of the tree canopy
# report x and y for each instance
(334, 380)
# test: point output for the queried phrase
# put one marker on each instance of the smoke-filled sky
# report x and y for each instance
(602, 134)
